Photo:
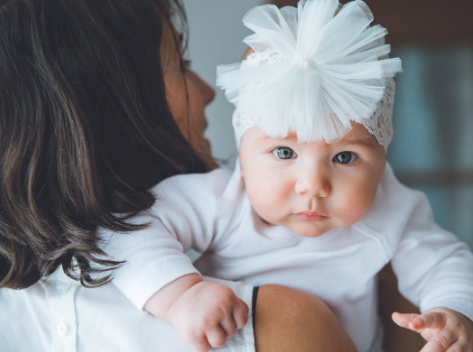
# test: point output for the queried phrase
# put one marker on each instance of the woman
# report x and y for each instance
(96, 104)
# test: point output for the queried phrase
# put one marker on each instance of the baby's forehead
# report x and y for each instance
(358, 135)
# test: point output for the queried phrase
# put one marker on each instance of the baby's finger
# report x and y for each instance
(200, 344)
(440, 341)
(458, 346)
(432, 320)
(240, 314)
(402, 319)
(216, 337)
(228, 326)
(244, 305)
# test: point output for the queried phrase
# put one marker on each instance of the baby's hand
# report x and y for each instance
(207, 314)
(443, 328)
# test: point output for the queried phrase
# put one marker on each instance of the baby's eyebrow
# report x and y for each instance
(367, 142)
(288, 137)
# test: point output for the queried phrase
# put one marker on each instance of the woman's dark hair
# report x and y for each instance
(85, 130)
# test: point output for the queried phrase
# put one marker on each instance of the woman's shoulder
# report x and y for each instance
(54, 313)
(219, 188)
(213, 182)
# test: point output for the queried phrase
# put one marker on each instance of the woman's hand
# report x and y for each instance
(205, 313)
(445, 330)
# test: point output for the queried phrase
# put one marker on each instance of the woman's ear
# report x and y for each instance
(247, 53)
(241, 173)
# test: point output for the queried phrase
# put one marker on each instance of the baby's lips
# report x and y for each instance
(310, 216)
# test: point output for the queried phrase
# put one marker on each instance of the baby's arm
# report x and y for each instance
(205, 313)
(435, 272)
(157, 276)
(443, 328)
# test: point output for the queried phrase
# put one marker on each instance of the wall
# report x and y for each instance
(216, 34)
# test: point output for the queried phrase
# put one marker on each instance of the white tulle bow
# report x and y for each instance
(314, 69)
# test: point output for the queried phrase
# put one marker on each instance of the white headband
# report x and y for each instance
(314, 70)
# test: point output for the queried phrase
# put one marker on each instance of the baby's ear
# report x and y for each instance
(247, 53)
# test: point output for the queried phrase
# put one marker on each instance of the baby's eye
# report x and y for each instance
(345, 158)
(284, 153)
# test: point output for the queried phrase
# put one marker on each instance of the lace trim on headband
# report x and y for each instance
(380, 124)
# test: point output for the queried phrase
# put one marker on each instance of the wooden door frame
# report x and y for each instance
(420, 22)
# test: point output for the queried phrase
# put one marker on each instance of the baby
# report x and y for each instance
(311, 204)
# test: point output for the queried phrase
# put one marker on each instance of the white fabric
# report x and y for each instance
(59, 315)
(211, 213)
(314, 69)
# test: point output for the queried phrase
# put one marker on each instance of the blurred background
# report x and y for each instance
(432, 148)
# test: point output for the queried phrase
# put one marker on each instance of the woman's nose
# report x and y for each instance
(207, 92)
(313, 183)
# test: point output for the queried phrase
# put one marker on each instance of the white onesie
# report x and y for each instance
(211, 213)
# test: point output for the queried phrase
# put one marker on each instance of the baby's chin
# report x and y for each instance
(315, 228)
(309, 228)
(310, 232)
(306, 229)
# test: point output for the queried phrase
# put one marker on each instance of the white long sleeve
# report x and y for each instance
(433, 268)
(155, 255)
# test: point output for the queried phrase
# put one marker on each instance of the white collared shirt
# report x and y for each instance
(57, 314)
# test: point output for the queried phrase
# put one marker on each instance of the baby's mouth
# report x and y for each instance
(311, 216)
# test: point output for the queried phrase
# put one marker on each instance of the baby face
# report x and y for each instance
(311, 188)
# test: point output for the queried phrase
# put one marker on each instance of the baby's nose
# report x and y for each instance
(314, 184)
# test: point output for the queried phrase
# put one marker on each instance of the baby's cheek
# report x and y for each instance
(356, 206)
(266, 202)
